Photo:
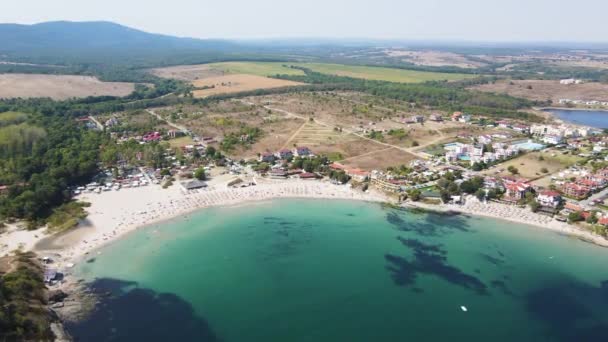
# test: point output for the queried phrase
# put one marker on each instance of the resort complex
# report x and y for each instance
(418, 188)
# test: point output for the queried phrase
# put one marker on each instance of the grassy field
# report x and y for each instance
(382, 74)
(369, 73)
(181, 142)
(256, 68)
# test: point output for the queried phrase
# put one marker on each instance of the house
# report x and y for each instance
(308, 175)
(549, 198)
(284, 154)
(358, 175)
(571, 207)
(278, 174)
(603, 221)
(267, 157)
(456, 116)
(575, 190)
(484, 139)
(153, 136)
(417, 118)
(492, 183)
(436, 117)
(465, 118)
(552, 139)
(302, 151)
(336, 166)
(521, 128)
(504, 124)
(517, 191)
(569, 81)
(193, 185)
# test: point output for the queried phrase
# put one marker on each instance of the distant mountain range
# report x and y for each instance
(71, 40)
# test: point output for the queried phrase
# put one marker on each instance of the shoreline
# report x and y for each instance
(547, 109)
(100, 230)
(512, 214)
(113, 215)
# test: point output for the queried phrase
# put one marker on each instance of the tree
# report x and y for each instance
(592, 219)
(415, 195)
(200, 174)
(480, 194)
(576, 216)
(210, 152)
(445, 196)
(513, 170)
(544, 170)
(534, 206)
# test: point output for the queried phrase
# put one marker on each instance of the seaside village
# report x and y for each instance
(552, 170)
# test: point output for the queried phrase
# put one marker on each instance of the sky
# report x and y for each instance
(443, 20)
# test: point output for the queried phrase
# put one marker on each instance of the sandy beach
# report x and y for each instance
(516, 214)
(113, 214)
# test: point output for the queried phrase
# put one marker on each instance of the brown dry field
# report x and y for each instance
(349, 111)
(237, 83)
(434, 58)
(529, 165)
(276, 135)
(381, 160)
(59, 87)
(548, 90)
(187, 72)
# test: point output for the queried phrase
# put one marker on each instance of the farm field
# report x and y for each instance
(256, 68)
(59, 87)
(382, 74)
(197, 72)
(543, 90)
(237, 83)
(187, 72)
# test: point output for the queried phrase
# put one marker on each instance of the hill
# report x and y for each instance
(68, 42)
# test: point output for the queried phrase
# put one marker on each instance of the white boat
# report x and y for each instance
(463, 308)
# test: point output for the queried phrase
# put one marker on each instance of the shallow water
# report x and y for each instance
(592, 118)
(319, 270)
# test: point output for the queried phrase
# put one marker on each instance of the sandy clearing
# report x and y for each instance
(188, 72)
(237, 83)
(59, 87)
(548, 90)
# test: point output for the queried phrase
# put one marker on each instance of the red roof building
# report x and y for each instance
(575, 190)
(517, 191)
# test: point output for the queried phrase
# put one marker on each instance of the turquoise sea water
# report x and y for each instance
(319, 270)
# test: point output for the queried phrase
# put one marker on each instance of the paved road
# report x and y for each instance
(593, 197)
(99, 125)
(174, 125)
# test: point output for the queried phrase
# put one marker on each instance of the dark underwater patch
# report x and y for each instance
(571, 310)
(493, 260)
(131, 313)
(429, 225)
(431, 260)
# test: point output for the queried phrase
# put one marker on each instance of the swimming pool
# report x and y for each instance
(528, 145)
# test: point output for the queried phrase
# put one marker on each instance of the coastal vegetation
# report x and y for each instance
(41, 157)
(23, 312)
